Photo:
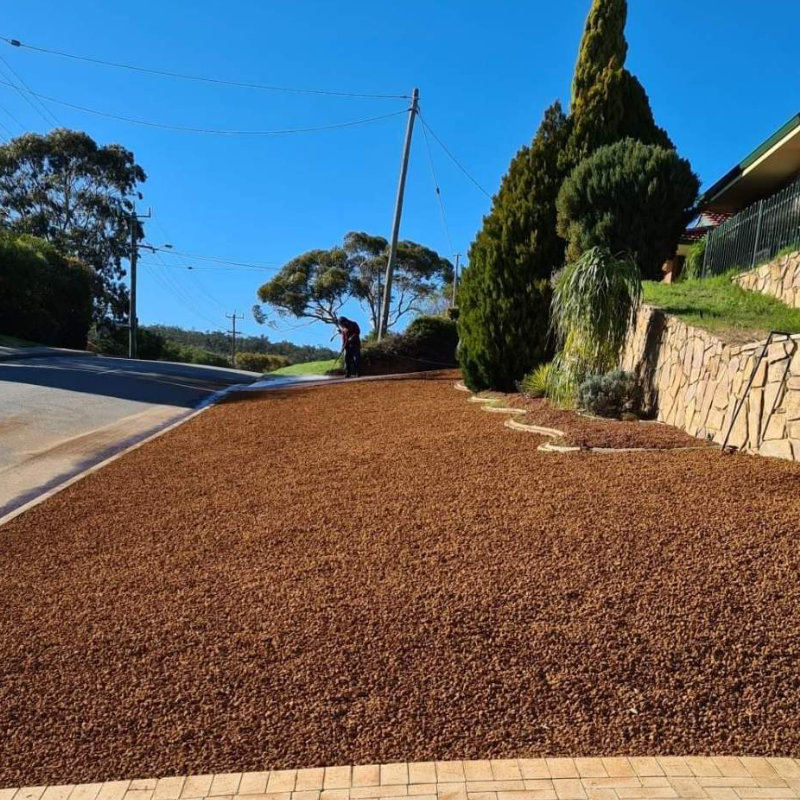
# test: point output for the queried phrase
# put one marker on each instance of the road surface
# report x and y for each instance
(61, 414)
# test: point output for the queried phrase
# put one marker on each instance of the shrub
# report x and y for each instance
(631, 198)
(594, 301)
(539, 382)
(44, 297)
(429, 342)
(693, 267)
(261, 362)
(610, 394)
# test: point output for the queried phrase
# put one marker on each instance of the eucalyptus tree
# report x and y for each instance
(317, 284)
(66, 189)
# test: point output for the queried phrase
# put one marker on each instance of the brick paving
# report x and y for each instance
(718, 778)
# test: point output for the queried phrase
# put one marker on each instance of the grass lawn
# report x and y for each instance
(309, 368)
(374, 572)
(721, 306)
(13, 341)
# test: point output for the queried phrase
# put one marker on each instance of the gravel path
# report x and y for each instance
(381, 571)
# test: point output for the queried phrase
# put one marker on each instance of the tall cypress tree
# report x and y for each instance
(603, 43)
(608, 103)
(505, 293)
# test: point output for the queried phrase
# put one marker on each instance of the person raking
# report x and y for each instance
(351, 346)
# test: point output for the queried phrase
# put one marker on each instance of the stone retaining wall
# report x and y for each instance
(693, 380)
(780, 278)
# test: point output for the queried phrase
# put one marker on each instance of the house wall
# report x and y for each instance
(780, 278)
(693, 380)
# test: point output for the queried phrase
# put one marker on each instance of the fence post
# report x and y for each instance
(707, 253)
(758, 231)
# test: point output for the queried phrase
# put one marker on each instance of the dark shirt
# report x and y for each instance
(351, 334)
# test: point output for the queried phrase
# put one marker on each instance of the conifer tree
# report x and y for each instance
(608, 103)
(505, 293)
(603, 43)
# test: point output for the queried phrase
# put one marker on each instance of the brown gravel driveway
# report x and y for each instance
(381, 571)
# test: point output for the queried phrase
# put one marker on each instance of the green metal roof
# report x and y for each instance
(751, 159)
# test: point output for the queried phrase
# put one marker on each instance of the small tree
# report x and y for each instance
(314, 285)
(594, 302)
(419, 273)
(630, 198)
(317, 284)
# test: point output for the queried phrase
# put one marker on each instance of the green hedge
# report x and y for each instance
(428, 343)
(261, 362)
(44, 297)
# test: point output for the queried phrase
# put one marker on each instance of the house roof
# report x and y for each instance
(766, 170)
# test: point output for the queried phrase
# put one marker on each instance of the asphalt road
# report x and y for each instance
(58, 413)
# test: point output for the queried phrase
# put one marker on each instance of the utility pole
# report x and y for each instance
(455, 279)
(383, 323)
(233, 318)
(133, 320)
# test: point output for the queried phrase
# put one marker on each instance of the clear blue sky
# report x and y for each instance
(721, 77)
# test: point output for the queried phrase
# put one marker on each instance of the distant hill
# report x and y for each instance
(220, 344)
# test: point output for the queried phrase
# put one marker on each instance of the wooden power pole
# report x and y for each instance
(133, 319)
(233, 318)
(383, 322)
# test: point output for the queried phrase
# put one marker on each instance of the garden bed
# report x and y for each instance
(380, 571)
(585, 431)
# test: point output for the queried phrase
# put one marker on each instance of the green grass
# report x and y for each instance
(719, 305)
(309, 368)
(13, 341)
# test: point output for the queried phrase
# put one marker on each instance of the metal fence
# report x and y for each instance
(755, 234)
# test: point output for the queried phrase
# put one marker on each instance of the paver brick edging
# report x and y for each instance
(613, 778)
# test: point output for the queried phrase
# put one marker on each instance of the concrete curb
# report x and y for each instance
(20, 353)
(68, 479)
(127, 446)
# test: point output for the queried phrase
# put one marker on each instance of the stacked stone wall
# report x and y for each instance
(693, 380)
(780, 278)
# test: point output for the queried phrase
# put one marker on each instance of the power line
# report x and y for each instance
(452, 157)
(42, 110)
(192, 268)
(438, 191)
(198, 283)
(12, 117)
(213, 131)
(201, 78)
(264, 265)
(180, 295)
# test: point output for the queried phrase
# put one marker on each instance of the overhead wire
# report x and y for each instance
(268, 266)
(201, 78)
(24, 91)
(184, 298)
(438, 191)
(12, 117)
(198, 282)
(451, 156)
(212, 131)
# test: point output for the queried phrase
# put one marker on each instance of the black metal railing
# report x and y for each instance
(756, 234)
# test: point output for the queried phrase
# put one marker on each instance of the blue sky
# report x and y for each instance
(721, 77)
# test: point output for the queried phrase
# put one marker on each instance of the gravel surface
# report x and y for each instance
(381, 571)
(583, 431)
